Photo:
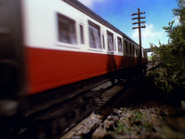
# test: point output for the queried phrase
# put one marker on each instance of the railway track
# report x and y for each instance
(94, 122)
(58, 121)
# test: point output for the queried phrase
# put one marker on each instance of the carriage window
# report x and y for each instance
(103, 38)
(94, 36)
(82, 34)
(120, 47)
(110, 41)
(66, 30)
(138, 52)
(144, 54)
(133, 50)
(115, 45)
(130, 48)
(126, 47)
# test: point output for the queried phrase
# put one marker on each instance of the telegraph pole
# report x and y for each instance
(139, 30)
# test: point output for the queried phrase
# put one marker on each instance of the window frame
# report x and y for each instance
(59, 39)
(103, 41)
(133, 47)
(110, 34)
(130, 46)
(82, 34)
(119, 38)
(126, 46)
(92, 25)
(115, 45)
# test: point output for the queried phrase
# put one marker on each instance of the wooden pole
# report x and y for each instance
(139, 30)
(140, 43)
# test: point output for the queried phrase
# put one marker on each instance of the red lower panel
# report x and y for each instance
(47, 69)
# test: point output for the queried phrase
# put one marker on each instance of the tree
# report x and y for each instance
(170, 75)
(180, 11)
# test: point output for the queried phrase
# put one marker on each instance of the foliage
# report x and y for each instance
(162, 79)
(137, 117)
(149, 58)
(170, 74)
(119, 127)
(137, 122)
(180, 11)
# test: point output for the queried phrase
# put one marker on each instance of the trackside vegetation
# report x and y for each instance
(169, 75)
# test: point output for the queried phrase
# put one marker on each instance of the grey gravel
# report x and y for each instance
(137, 114)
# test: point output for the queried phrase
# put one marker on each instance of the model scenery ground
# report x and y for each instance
(139, 113)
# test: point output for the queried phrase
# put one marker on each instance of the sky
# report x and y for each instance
(158, 14)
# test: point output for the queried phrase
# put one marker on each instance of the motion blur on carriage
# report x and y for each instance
(50, 49)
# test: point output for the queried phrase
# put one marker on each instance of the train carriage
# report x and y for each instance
(50, 44)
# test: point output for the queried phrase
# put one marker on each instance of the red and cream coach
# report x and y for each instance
(46, 46)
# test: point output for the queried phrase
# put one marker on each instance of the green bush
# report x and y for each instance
(169, 75)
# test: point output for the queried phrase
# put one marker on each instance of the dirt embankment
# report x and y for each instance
(144, 113)
(141, 112)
